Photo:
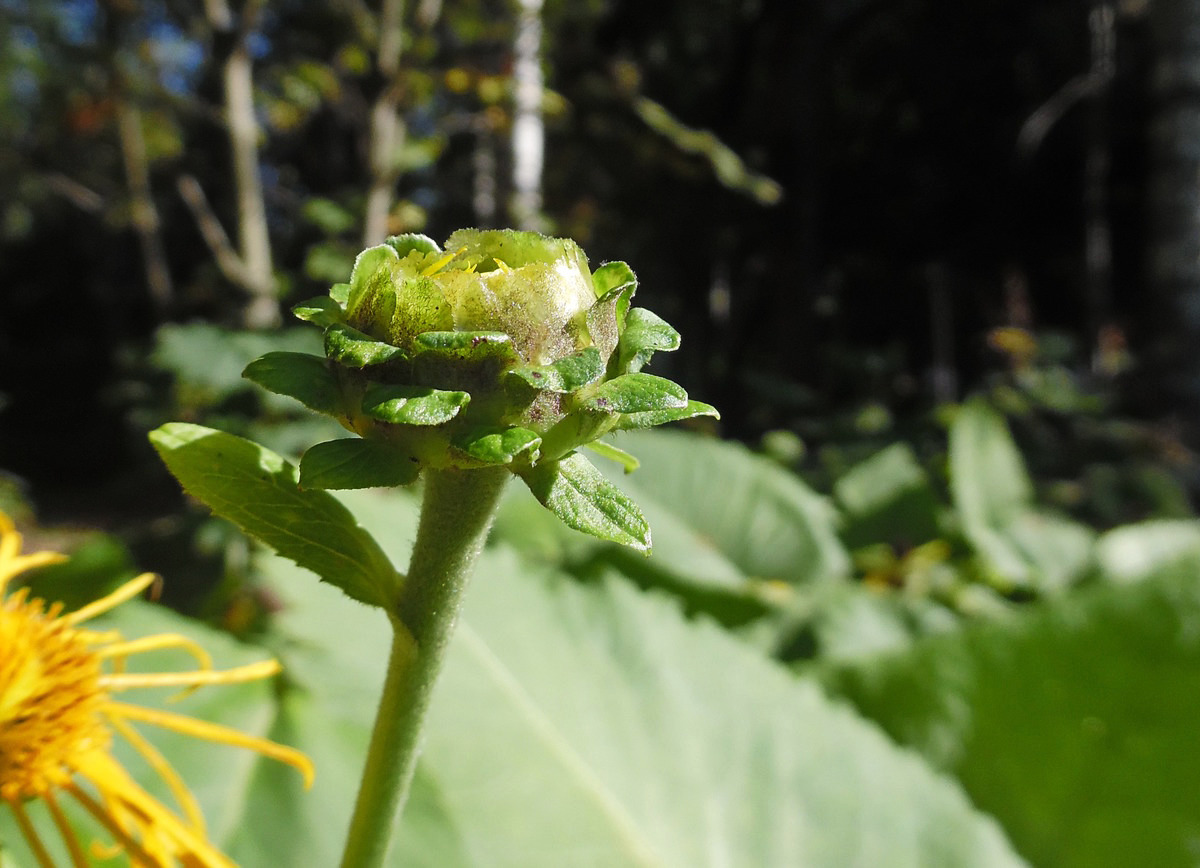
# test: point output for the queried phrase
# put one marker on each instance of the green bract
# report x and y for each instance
(501, 349)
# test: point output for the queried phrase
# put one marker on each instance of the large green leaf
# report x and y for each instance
(596, 726)
(757, 515)
(1072, 723)
(259, 492)
(988, 478)
(888, 498)
(1137, 551)
(1020, 544)
(729, 528)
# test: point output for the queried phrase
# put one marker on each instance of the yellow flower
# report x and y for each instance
(58, 714)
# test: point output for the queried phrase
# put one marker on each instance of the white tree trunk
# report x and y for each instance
(387, 130)
(254, 242)
(529, 133)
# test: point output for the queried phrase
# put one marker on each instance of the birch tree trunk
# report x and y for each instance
(529, 133)
(254, 242)
(1174, 196)
(131, 137)
(387, 129)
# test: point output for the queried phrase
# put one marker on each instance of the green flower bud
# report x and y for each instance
(501, 349)
(535, 289)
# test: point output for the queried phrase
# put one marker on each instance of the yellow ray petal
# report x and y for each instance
(166, 771)
(111, 779)
(439, 264)
(199, 678)
(123, 594)
(160, 642)
(137, 853)
(215, 732)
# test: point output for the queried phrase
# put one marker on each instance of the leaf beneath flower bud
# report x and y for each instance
(635, 393)
(407, 243)
(645, 334)
(355, 463)
(651, 418)
(350, 347)
(612, 276)
(493, 446)
(565, 375)
(366, 265)
(301, 376)
(322, 311)
(412, 405)
(578, 494)
(340, 292)
(614, 453)
(469, 346)
(257, 490)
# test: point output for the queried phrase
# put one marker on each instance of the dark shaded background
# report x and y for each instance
(911, 224)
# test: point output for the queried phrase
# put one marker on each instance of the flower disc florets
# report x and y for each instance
(503, 348)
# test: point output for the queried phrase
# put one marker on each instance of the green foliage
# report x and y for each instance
(1070, 723)
(412, 405)
(260, 493)
(505, 351)
(565, 375)
(993, 494)
(352, 463)
(298, 375)
(577, 493)
(888, 498)
(591, 721)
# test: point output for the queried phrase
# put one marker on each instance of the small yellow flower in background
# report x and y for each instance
(58, 716)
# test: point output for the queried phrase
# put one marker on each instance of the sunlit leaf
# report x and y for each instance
(259, 492)
(412, 405)
(298, 375)
(350, 347)
(577, 493)
(1071, 722)
(565, 375)
(636, 393)
(355, 463)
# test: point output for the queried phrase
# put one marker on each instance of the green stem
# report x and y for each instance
(455, 516)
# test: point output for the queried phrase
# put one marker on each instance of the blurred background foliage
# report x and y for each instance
(915, 251)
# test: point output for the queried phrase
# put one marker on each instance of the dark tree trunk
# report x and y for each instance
(1174, 203)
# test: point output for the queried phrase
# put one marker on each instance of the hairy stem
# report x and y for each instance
(457, 511)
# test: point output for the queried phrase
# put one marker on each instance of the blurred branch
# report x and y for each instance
(1091, 84)
(729, 168)
(144, 215)
(132, 138)
(212, 231)
(83, 198)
